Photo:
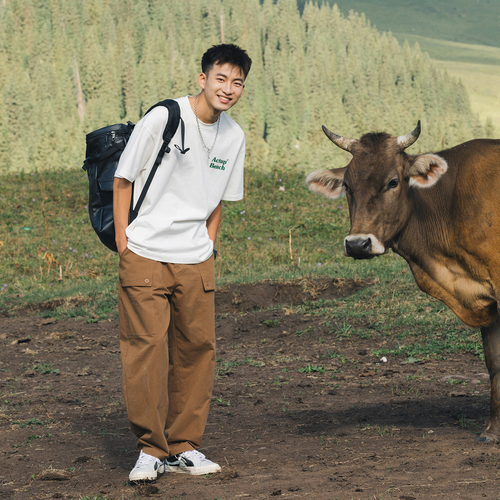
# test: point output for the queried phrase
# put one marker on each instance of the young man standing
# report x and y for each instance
(167, 278)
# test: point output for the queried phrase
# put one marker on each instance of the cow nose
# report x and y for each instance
(359, 248)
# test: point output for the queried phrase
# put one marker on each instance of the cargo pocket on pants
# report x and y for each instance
(137, 302)
(207, 273)
(135, 270)
(206, 307)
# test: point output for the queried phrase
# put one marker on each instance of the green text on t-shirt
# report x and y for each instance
(218, 164)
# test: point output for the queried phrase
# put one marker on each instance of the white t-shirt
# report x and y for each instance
(171, 225)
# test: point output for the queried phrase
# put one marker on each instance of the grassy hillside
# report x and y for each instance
(463, 36)
(453, 51)
(477, 66)
(466, 21)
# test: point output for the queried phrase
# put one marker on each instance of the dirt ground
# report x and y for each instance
(347, 426)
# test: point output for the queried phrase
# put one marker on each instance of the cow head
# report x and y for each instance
(378, 183)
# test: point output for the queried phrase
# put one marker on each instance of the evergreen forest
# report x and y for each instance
(68, 67)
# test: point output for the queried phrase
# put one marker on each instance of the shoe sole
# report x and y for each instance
(193, 471)
(142, 478)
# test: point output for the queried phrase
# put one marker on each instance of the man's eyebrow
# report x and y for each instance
(225, 76)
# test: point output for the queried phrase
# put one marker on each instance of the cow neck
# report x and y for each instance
(428, 230)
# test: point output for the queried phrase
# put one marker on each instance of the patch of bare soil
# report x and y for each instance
(267, 294)
(346, 426)
(48, 305)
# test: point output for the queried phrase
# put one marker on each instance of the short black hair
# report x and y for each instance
(226, 53)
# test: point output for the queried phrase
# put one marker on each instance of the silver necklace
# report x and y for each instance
(208, 150)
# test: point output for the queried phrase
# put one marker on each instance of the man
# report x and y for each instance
(167, 278)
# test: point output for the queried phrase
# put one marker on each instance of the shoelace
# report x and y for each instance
(144, 458)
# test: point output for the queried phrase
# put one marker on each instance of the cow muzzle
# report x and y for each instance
(363, 246)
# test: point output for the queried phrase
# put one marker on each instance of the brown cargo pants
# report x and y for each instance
(167, 341)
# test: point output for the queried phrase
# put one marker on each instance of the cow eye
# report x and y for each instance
(346, 187)
(393, 184)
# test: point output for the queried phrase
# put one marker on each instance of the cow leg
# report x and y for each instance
(491, 346)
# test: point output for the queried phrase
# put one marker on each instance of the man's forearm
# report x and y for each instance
(122, 194)
(213, 223)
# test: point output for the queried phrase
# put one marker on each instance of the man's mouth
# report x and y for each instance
(223, 99)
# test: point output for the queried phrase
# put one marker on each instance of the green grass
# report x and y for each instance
(46, 369)
(312, 369)
(48, 254)
(274, 233)
(482, 81)
(445, 50)
(51, 259)
(413, 326)
(466, 21)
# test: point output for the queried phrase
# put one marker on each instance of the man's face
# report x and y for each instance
(223, 86)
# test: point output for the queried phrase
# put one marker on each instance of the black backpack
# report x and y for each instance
(104, 148)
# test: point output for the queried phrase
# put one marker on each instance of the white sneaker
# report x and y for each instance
(146, 468)
(190, 462)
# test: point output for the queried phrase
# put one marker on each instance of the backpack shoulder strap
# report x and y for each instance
(174, 115)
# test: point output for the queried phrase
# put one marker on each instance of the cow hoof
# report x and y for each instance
(486, 437)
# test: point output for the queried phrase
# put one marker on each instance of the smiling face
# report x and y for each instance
(222, 87)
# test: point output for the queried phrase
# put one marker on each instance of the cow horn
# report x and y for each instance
(338, 140)
(405, 141)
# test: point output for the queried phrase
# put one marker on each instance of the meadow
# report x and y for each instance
(50, 252)
(53, 264)
(465, 21)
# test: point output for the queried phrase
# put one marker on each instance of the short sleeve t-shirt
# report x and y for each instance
(171, 225)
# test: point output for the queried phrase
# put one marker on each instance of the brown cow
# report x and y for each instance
(441, 212)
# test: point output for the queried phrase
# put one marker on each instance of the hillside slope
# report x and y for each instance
(462, 36)
(466, 21)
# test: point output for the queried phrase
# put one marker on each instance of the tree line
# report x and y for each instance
(68, 67)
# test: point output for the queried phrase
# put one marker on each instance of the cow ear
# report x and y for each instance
(329, 183)
(426, 170)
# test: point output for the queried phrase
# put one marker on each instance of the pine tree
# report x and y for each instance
(308, 70)
(148, 70)
(130, 85)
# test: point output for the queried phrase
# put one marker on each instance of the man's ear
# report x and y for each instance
(202, 80)
(426, 170)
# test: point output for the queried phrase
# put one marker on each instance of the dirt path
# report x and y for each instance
(348, 426)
